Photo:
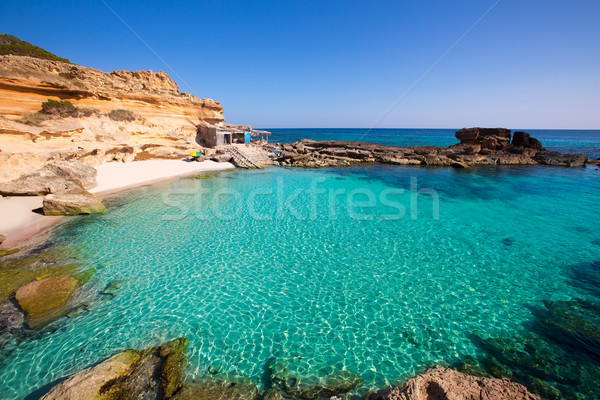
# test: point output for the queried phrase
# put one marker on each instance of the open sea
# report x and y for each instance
(381, 270)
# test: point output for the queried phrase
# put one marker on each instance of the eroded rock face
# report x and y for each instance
(440, 383)
(154, 373)
(297, 379)
(523, 139)
(56, 177)
(72, 204)
(45, 300)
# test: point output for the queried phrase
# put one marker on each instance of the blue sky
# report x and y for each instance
(344, 63)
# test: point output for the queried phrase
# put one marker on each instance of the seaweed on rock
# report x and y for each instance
(558, 359)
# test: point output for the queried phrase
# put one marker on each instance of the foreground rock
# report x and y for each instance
(154, 373)
(225, 387)
(45, 300)
(478, 146)
(72, 204)
(297, 379)
(440, 383)
(54, 178)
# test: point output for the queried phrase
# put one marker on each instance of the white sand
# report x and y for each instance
(18, 221)
(117, 176)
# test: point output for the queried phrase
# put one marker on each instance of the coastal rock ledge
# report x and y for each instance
(478, 146)
(440, 383)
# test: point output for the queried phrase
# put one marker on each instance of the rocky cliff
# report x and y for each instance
(120, 115)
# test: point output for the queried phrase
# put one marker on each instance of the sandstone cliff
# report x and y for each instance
(160, 121)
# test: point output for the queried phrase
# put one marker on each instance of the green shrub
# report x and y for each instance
(10, 44)
(34, 119)
(62, 108)
(86, 112)
(122, 115)
(79, 84)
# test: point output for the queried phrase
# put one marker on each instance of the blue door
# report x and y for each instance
(247, 137)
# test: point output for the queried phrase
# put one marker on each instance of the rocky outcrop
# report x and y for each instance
(487, 138)
(561, 160)
(154, 373)
(45, 300)
(56, 177)
(297, 379)
(524, 139)
(445, 384)
(478, 146)
(163, 116)
(72, 204)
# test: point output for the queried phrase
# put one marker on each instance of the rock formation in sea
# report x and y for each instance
(478, 146)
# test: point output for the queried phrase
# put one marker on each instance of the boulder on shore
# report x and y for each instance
(297, 379)
(45, 300)
(56, 177)
(153, 373)
(446, 384)
(72, 204)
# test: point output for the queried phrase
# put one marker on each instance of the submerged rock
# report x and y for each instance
(297, 379)
(440, 383)
(113, 287)
(45, 300)
(72, 204)
(225, 387)
(56, 177)
(154, 373)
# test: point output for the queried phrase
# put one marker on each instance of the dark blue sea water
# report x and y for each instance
(565, 141)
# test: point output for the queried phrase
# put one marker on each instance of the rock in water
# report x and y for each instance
(72, 204)
(225, 387)
(445, 384)
(154, 373)
(45, 300)
(523, 139)
(559, 159)
(55, 177)
(298, 379)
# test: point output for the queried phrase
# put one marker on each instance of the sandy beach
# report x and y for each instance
(21, 217)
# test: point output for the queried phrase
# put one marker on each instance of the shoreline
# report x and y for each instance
(22, 223)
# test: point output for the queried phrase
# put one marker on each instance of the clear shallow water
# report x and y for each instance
(251, 275)
(565, 141)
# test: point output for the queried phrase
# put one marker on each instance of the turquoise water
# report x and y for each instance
(565, 141)
(293, 262)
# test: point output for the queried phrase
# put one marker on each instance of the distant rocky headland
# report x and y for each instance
(478, 146)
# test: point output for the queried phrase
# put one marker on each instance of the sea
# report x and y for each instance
(381, 270)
